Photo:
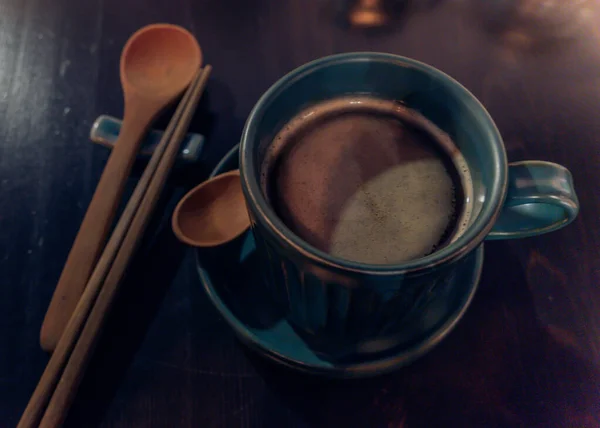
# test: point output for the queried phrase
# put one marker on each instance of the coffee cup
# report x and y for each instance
(340, 304)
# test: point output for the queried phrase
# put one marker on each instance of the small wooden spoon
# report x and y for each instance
(212, 213)
(157, 63)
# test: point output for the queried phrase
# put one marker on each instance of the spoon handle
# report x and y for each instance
(94, 229)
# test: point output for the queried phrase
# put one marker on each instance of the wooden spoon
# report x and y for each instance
(212, 213)
(158, 62)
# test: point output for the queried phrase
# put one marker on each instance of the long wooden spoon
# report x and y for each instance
(58, 385)
(158, 62)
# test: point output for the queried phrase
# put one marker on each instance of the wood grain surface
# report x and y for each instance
(526, 354)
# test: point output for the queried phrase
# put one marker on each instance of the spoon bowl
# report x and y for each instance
(213, 213)
(159, 60)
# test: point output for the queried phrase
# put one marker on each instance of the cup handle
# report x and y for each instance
(540, 199)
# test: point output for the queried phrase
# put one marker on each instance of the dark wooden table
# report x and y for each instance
(527, 353)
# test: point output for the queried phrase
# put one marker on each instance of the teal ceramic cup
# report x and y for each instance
(341, 306)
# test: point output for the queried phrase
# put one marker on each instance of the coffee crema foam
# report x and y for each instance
(368, 180)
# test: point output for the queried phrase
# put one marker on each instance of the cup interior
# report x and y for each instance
(420, 87)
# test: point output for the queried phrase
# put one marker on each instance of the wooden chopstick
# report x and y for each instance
(62, 376)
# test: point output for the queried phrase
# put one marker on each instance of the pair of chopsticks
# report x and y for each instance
(58, 385)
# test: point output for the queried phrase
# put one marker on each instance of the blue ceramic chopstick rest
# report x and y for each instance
(105, 132)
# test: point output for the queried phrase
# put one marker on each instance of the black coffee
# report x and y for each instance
(367, 180)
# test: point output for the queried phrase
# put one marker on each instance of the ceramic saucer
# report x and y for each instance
(234, 282)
